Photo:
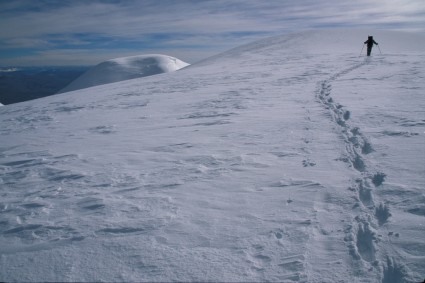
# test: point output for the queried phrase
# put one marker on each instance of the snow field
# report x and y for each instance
(266, 163)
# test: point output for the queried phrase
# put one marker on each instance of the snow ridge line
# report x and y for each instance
(362, 233)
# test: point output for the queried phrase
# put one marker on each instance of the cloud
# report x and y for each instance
(137, 18)
(132, 25)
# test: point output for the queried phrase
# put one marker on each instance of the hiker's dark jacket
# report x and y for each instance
(370, 42)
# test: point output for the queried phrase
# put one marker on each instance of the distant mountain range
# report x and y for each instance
(18, 84)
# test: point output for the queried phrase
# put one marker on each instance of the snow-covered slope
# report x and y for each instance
(125, 68)
(330, 42)
(275, 161)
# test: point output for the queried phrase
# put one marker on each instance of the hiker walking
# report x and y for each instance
(370, 42)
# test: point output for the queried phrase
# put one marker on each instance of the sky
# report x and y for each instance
(87, 32)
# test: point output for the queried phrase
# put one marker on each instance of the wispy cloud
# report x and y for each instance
(183, 26)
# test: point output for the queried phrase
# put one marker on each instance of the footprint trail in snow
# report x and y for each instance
(365, 230)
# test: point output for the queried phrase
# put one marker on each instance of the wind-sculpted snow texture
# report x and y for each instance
(125, 68)
(270, 162)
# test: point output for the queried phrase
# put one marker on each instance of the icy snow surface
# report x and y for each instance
(292, 159)
(125, 68)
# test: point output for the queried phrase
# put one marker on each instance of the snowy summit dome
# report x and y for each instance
(126, 68)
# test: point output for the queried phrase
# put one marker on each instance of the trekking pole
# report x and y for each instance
(379, 49)
(362, 50)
